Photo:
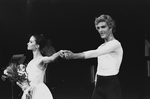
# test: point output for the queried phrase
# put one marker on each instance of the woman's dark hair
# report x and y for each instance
(45, 46)
(109, 21)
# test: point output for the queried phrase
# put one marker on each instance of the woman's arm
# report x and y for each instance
(23, 85)
(51, 58)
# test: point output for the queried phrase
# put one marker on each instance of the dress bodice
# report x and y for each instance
(36, 72)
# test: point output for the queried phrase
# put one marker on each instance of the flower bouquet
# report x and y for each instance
(16, 73)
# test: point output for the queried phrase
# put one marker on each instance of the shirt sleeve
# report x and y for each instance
(104, 49)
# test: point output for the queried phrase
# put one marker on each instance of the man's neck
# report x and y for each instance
(109, 38)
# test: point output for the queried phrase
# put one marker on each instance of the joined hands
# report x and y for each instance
(66, 54)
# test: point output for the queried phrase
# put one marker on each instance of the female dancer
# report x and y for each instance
(36, 70)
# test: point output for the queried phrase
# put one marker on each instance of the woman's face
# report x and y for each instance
(32, 44)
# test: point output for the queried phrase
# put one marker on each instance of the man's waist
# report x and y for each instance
(107, 77)
(107, 72)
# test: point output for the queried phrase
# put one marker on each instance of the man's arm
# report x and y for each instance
(104, 49)
(70, 55)
(107, 48)
(78, 56)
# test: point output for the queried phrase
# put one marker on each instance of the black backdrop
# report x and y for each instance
(70, 25)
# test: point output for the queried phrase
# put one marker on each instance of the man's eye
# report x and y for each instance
(100, 27)
(97, 27)
(103, 26)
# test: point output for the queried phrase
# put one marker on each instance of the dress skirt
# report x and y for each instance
(40, 91)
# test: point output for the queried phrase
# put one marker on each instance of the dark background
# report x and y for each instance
(70, 25)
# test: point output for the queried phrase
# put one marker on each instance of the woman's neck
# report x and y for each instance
(36, 54)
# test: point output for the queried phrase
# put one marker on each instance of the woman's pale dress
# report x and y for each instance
(38, 90)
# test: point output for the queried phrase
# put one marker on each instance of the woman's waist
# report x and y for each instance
(36, 78)
(36, 82)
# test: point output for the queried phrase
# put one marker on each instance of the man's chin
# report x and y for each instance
(103, 37)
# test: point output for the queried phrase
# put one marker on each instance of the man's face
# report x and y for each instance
(103, 29)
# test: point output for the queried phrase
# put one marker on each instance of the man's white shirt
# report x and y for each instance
(109, 56)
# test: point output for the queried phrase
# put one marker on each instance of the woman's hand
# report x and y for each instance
(23, 85)
(62, 53)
